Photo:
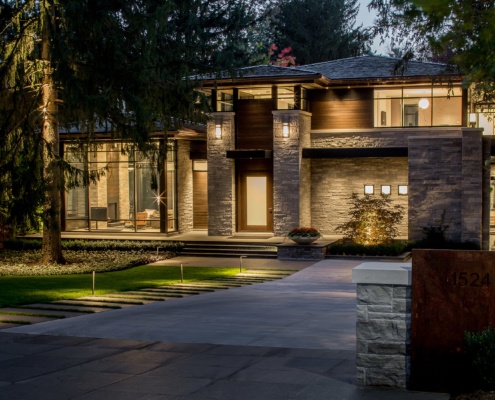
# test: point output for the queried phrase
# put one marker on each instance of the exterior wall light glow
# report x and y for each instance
(386, 189)
(424, 104)
(218, 131)
(285, 130)
(369, 189)
(402, 190)
(472, 119)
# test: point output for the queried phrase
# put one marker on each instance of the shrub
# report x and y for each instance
(373, 220)
(480, 348)
(97, 245)
(393, 249)
(434, 238)
(304, 232)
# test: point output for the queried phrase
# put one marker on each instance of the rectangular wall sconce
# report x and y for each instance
(369, 189)
(402, 190)
(386, 189)
(285, 130)
(472, 119)
(218, 131)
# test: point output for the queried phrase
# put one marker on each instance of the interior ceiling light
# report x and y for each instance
(424, 104)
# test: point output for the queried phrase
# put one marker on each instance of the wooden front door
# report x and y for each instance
(255, 207)
(200, 200)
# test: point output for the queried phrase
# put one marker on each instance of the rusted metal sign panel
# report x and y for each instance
(452, 292)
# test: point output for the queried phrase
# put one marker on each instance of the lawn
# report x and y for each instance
(19, 290)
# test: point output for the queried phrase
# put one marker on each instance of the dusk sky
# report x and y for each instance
(366, 18)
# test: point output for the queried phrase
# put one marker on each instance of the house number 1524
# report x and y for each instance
(470, 279)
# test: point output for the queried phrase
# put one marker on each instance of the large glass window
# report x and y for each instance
(255, 93)
(128, 194)
(225, 100)
(418, 106)
(286, 98)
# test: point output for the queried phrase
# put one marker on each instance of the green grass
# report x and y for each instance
(21, 290)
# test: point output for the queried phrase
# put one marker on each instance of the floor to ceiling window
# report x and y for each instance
(418, 106)
(130, 195)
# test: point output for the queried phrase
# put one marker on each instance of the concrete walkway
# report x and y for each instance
(287, 339)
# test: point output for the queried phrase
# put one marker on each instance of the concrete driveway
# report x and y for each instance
(314, 309)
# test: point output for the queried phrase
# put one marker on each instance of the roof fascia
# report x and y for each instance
(317, 79)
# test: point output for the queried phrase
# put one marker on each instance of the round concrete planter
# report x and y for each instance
(303, 240)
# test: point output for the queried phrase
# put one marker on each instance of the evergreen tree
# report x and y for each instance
(460, 33)
(119, 64)
(320, 30)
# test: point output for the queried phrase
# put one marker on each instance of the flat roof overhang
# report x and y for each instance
(315, 80)
(356, 152)
(249, 154)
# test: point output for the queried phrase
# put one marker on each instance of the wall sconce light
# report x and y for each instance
(369, 189)
(402, 190)
(386, 189)
(218, 131)
(285, 130)
(472, 119)
(424, 104)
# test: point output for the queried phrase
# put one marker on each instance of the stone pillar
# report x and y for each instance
(123, 207)
(446, 179)
(472, 183)
(221, 175)
(291, 174)
(383, 327)
(184, 186)
(98, 191)
(435, 184)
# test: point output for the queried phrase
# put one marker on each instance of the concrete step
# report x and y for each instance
(104, 300)
(67, 307)
(209, 253)
(226, 249)
(54, 313)
(92, 303)
(20, 319)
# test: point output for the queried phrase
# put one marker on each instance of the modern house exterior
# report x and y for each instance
(287, 147)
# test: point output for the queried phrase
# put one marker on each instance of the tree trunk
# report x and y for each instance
(52, 176)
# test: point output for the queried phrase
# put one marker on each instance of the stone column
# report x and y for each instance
(221, 175)
(291, 173)
(98, 191)
(383, 327)
(184, 186)
(435, 184)
(472, 184)
(447, 179)
(124, 204)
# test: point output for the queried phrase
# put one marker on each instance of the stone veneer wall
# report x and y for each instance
(446, 180)
(291, 189)
(334, 181)
(376, 138)
(221, 193)
(383, 327)
(184, 186)
(383, 335)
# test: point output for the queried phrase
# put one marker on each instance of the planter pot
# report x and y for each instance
(304, 240)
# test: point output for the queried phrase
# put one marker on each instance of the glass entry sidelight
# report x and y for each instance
(255, 205)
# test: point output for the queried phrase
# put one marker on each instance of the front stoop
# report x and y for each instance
(294, 251)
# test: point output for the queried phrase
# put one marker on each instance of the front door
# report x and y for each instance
(255, 201)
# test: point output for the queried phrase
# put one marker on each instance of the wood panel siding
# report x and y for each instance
(200, 200)
(254, 124)
(342, 109)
